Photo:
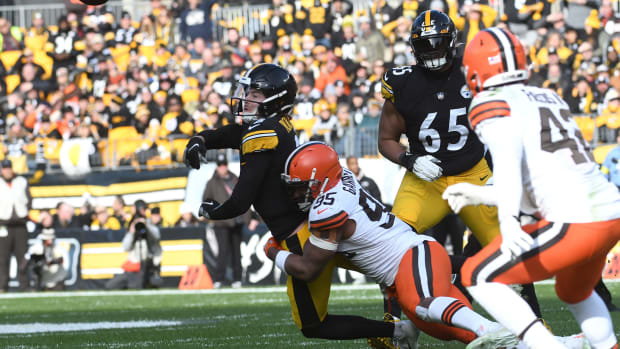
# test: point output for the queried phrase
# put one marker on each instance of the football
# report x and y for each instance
(94, 2)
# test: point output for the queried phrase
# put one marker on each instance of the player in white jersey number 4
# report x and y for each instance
(345, 219)
(542, 167)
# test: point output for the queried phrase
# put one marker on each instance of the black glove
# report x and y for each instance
(207, 208)
(194, 152)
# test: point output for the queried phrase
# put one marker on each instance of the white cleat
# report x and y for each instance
(496, 337)
(576, 341)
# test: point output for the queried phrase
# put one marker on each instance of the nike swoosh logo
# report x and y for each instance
(482, 178)
(252, 126)
(321, 211)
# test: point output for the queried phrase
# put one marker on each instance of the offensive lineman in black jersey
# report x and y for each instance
(428, 102)
(265, 97)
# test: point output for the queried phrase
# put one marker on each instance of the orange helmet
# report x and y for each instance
(311, 169)
(494, 57)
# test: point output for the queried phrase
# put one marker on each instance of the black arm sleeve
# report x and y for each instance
(250, 181)
(225, 137)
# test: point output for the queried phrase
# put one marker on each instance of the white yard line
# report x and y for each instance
(39, 327)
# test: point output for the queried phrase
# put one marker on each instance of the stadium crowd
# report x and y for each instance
(165, 75)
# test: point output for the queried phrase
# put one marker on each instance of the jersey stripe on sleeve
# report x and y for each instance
(259, 140)
(331, 222)
(487, 110)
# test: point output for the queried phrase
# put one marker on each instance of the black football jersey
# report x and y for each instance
(435, 106)
(276, 137)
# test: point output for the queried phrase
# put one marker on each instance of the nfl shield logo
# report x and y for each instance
(440, 95)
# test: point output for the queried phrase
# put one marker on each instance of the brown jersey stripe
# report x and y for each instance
(488, 114)
(330, 222)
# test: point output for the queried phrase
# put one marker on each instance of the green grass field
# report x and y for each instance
(244, 318)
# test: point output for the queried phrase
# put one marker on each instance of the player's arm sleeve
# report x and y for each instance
(488, 109)
(251, 176)
(503, 137)
(223, 137)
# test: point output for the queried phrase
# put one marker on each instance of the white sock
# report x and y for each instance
(509, 309)
(453, 312)
(595, 322)
(538, 337)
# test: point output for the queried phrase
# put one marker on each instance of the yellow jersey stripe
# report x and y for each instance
(250, 134)
(259, 143)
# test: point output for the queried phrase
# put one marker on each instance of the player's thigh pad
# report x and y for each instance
(308, 299)
(557, 246)
(419, 202)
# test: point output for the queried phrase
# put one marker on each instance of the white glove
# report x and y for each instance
(425, 167)
(464, 194)
(514, 240)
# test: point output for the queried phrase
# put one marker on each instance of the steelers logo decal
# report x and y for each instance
(465, 92)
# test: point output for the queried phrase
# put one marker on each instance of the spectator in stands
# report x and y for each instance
(609, 120)
(165, 28)
(331, 72)
(187, 218)
(118, 210)
(14, 208)
(64, 217)
(45, 262)
(611, 164)
(64, 52)
(367, 183)
(325, 128)
(195, 21)
(369, 46)
(11, 38)
(579, 97)
(143, 265)
(156, 217)
(46, 221)
(103, 220)
(228, 232)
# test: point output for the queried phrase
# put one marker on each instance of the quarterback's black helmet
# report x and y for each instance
(433, 40)
(275, 83)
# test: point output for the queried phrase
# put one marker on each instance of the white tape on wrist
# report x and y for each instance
(281, 259)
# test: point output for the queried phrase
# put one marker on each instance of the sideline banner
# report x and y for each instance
(94, 257)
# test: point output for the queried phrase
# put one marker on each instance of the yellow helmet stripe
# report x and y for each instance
(427, 18)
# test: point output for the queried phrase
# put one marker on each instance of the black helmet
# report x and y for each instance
(433, 40)
(276, 84)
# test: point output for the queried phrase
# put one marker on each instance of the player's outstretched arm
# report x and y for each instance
(464, 194)
(196, 149)
(320, 248)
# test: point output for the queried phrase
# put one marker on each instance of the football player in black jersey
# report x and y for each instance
(428, 102)
(265, 97)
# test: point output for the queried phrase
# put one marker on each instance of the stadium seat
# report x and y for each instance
(123, 142)
(305, 125)
(178, 147)
(12, 81)
(586, 125)
(9, 58)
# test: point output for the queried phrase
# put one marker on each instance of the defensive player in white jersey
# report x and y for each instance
(542, 167)
(345, 219)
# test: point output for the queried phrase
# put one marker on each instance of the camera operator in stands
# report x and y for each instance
(142, 242)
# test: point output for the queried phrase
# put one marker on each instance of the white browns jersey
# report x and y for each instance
(560, 177)
(380, 239)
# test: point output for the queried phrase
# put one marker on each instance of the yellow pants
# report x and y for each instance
(308, 299)
(419, 203)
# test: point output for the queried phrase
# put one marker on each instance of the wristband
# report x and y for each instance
(281, 259)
